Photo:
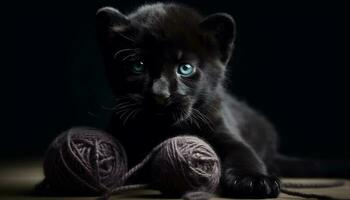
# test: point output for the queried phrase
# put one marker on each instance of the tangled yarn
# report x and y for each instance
(87, 161)
(179, 164)
(83, 161)
(186, 163)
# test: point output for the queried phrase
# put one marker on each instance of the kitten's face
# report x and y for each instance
(161, 63)
(164, 81)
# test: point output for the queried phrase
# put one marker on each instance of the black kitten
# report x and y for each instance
(167, 64)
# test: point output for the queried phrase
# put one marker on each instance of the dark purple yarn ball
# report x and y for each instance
(186, 163)
(84, 161)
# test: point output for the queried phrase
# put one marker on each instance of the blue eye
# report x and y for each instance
(137, 67)
(185, 70)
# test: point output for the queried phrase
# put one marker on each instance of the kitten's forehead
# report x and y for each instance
(166, 16)
(153, 9)
(162, 27)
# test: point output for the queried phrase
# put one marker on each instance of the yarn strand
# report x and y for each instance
(181, 153)
(137, 167)
(134, 171)
(88, 161)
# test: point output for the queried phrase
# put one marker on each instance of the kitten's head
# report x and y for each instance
(165, 59)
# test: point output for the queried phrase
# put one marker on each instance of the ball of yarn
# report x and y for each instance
(185, 163)
(84, 161)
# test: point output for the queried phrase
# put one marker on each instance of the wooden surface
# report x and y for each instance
(17, 179)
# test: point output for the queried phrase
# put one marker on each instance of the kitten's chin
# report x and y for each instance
(171, 114)
(171, 117)
(181, 116)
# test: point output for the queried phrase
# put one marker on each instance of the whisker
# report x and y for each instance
(116, 107)
(203, 118)
(127, 37)
(135, 113)
(177, 117)
(122, 51)
(108, 108)
(128, 116)
(215, 109)
(121, 111)
(128, 56)
(180, 115)
(126, 111)
(127, 105)
(123, 103)
(195, 120)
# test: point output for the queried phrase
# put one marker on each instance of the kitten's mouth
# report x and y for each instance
(180, 113)
(172, 114)
(177, 109)
(181, 116)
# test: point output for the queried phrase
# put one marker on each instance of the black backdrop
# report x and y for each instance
(291, 63)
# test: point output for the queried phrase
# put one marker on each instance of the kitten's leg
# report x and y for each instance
(244, 175)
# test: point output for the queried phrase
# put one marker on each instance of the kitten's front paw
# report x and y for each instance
(251, 186)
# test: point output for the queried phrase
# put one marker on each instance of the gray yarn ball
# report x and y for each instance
(83, 161)
(185, 163)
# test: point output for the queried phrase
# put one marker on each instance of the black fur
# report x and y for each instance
(159, 103)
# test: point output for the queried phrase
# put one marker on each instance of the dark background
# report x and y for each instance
(291, 62)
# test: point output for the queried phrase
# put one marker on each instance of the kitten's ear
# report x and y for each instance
(111, 26)
(222, 26)
(108, 17)
(109, 22)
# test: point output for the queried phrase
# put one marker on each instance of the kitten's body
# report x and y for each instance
(245, 125)
(164, 36)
